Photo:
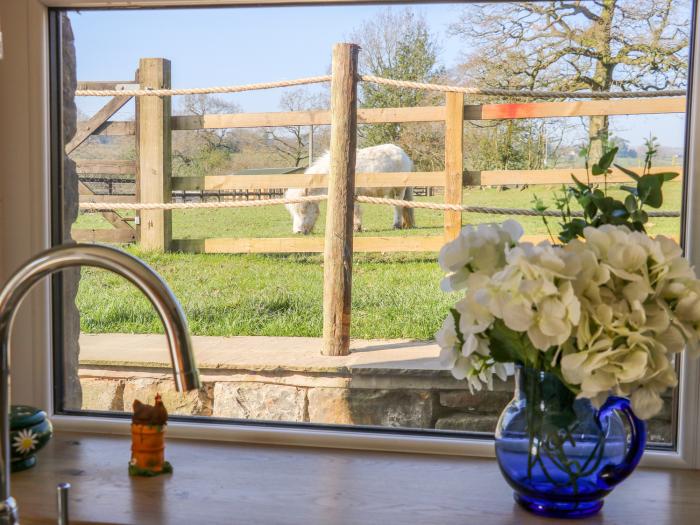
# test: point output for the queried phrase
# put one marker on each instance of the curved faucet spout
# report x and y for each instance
(66, 256)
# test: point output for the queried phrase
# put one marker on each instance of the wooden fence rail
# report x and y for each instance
(435, 113)
(550, 176)
(107, 167)
(372, 180)
(362, 180)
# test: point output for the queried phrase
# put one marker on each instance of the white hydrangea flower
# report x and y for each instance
(534, 294)
(614, 307)
(468, 360)
(476, 249)
(647, 309)
(557, 315)
(473, 309)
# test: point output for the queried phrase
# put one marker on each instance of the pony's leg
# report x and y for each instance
(357, 218)
(397, 217)
(408, 218)
(396, 193)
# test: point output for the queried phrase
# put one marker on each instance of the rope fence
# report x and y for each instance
(200, 91)
(98, 206)
(380, 80)
(519, 92)
(485, 209)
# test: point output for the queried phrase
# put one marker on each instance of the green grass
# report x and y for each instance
(270, 295)
(394, 295)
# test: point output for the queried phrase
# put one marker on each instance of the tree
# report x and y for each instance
(624, 150)
(601, 45)
(204, 150)
(201, 105)
(291, 143)
(398, 45)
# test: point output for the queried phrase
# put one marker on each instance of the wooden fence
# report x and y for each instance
(154, 182)
(154, 126)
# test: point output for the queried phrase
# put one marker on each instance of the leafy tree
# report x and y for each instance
(624, 148)
(204, 150)
(399, 45)
(601, 45)
(201, 105)
(291, 143)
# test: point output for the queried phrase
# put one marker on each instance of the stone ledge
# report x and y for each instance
(371, 363)
(269, 354)
(384, 383)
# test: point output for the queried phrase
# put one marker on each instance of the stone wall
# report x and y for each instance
(393, 383)
(261, 400)
(71, 277)
(434, 401)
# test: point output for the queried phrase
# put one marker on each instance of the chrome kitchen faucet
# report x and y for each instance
(119, 262)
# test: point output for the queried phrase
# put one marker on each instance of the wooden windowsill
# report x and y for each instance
(225, 483)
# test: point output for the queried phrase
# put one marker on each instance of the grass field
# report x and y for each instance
(394, 295)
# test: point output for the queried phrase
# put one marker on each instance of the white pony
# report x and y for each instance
(383, 158)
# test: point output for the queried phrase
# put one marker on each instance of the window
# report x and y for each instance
(393, 383)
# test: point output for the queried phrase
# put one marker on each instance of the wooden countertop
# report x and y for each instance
(224, 483)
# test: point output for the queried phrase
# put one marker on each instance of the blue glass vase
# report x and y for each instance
(560, 454)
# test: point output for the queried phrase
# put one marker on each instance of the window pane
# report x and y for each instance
(251, 278)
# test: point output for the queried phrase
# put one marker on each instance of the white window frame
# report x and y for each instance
(25, 230)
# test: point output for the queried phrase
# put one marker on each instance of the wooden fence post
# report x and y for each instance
(454, 163)
(337, 259)
(154, 149)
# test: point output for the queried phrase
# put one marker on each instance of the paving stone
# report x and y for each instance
(390, 408)
(482, 402)
(196, 403)
(102, 394)
(263, 401)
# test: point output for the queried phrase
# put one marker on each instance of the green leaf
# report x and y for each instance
(605, 162)
(619, 210)
(649, 188)
(508, 346)
(630, 189)
(639, 216)
(667, 175)
(638, 227)
(597, 170)
(619, 216)
(572, 230)
(605, 204)
(628, 172)
(538, 204)
(591, 209)
(630, 203)
(580, 184)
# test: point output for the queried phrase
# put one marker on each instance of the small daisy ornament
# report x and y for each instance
(25, 442)
(30, 430)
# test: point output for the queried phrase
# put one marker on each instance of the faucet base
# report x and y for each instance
(8, 512)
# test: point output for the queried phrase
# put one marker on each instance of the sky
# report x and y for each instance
(227, 46)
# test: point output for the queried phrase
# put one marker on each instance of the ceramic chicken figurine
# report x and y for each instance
(148, 439)
(155, 415)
